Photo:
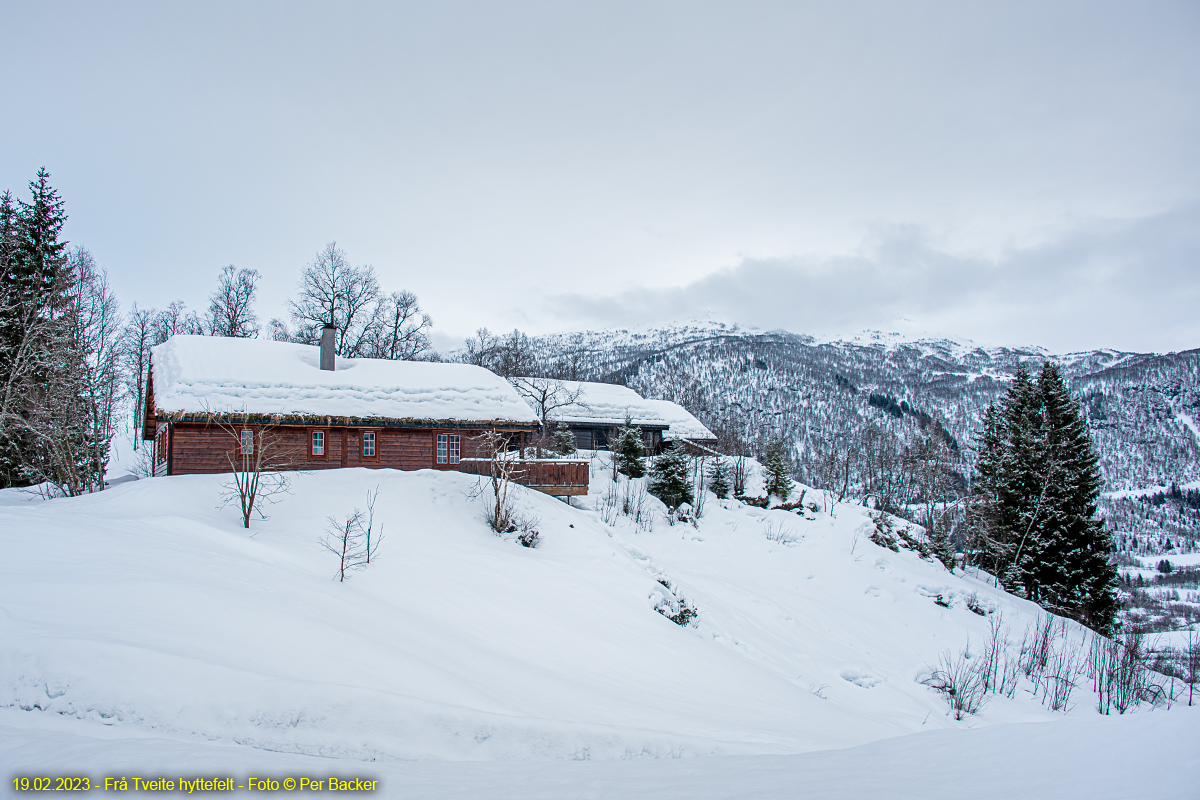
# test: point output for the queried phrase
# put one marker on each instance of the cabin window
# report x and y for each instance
(368, 444)
(448, 448)
(247, 442)
(318, 443)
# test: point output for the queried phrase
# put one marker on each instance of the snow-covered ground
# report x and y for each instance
(1089, 758)
(142, 628)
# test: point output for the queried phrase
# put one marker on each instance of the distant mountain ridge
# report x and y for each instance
(1144, 408)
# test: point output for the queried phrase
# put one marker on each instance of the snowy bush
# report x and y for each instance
(673, 607)
(960, 680)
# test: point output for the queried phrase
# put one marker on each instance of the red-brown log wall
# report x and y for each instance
(198, 448)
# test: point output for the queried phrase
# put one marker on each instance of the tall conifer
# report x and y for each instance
(1037, 486)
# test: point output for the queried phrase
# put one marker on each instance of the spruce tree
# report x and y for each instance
(1037, 487)
(34, 324)
(718, 478)
(629, 451)
(777, 471)
(671, 476)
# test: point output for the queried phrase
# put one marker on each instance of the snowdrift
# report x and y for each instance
(148, 608)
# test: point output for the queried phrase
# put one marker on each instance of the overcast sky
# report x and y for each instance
(1013, 173)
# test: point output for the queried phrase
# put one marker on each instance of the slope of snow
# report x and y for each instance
(198, 374)
(148, 610)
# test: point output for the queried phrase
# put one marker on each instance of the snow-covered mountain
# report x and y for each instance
(1144, 409)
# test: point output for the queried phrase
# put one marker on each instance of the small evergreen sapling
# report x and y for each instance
(778, 473)
(564, 441)
(718, 478)
(630, 451)
(670, 477)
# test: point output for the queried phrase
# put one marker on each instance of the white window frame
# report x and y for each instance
(246, 443)
(313, 448)
(442, 448)
(368, 436)
(455, 448)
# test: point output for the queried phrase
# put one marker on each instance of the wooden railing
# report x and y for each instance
(559, 477)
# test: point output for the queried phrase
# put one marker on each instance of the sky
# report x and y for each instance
(1009, 173)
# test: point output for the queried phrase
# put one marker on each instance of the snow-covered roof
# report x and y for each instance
(198, 374)
(607, 404)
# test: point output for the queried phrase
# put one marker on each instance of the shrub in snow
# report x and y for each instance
(975, 606)
(673, 607)
(683, 513)
(529, 538)
(778, 531)
(758, 502)
(670, 477)
(718, 478)
(798, 505)
(960, 680)
(629, 451)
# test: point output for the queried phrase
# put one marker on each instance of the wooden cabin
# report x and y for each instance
(213, 403)
(602, 409)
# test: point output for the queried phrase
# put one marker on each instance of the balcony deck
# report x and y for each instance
(557, 477)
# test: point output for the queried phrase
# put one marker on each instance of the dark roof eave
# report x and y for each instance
(331, 421)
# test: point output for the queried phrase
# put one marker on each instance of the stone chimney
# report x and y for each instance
(327, 358)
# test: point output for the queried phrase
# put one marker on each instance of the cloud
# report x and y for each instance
(1127, 283)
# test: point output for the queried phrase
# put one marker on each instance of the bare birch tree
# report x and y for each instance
(259, 459)
(546, 396)
(399, 329)
(332, 291)
(231, 305)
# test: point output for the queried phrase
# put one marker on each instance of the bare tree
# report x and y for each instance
(837, 457)
(480, 348)
(508, 356)
(96, 342)
(503, 472)
(278, 330)
(231, 306)
(334, 292)
(1191, 663)
(546, 396)
(570, 361)
(259, 458)
(351, 540)
(136, 341)
(399, 329)
(64, 384)
(175, 319)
